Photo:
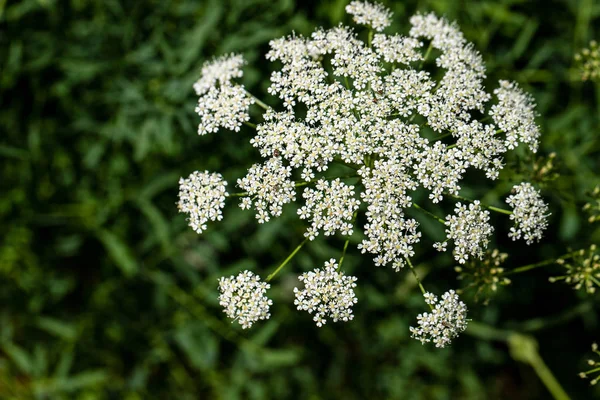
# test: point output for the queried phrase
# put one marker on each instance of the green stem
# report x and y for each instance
(531, 266)
(440, 137)
(343, 253)
(296, 250)
(414, 272)
(370, 37)
(346, 82)
(340, 162)
(539, 264)
(523, 348)
(257, 100)
(346, 243)
(496, 209)
(593, 279)
(250, 124)
(418, 207)
(546, 376)
(426, 55)
(537, 324)
(239, 194)
(487, 332)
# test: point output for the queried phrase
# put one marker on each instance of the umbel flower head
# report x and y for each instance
(445, 322)
(593, 206)
(594, 370)
(202, 196)
(243, 298)
(530, 213)
(329, 207)
(409, 113)
(327, 293)
(589, 62)
(470, 230)
(221, 102)
(343, 102)
(371, 14)
(582, 271)
(484, 276)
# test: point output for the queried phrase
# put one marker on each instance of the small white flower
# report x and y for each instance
(515, 115)
(389, 234)
(243, 298)
(444, 323)
(470, 230)
(269, 187)
(202, 196)
(327, 293)
(223, 107)
(221, 70)
(221, 102)
(398, 49)
(530, 213)
(329, 207)
(372, 14)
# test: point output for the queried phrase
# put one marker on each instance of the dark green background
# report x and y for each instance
(105, 293)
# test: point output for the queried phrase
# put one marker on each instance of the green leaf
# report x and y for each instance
(160, 226)
(57, 328)
(118, 251)
(80, 381)
(19, 357)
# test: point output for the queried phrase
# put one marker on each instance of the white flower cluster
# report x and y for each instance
(470, 230)
(329, 207)
(202, 196)
(530, 213)
(362, 116)
(445, 322)
(389, 234)
(243, 298)
(221, 102)
(372, 107)
(269, 187)
(327, 293)
(515, 115)
(374, 15)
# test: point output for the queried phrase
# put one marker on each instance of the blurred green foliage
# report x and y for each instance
(106, 293)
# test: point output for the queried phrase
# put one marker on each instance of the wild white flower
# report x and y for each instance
(327, 293)
(372, 14)
(329, 207)
(515, 115)
(398, 49)
(269, 187)
(223, 107)
(530, 213)
(243, 298)
(440, 169)
(447, 319)
(470, 230)
(221, 70)
(221, 102)
(202, 196)
(372, 107)
(389, 234)
(297, 142)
